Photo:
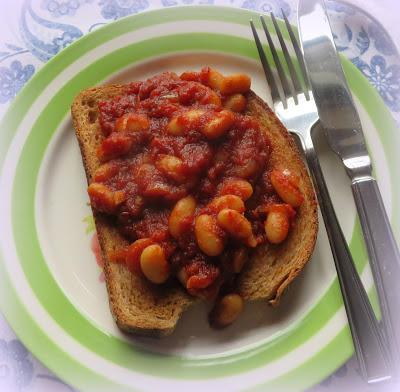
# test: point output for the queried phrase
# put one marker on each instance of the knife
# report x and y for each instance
(339, 118)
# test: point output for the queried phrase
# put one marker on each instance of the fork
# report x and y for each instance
(295, 107)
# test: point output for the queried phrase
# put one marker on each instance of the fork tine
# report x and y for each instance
(296, 88)
(299, 56)
(279, 67)
(267, 69)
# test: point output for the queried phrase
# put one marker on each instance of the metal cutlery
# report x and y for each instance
(344, 134)
(295, 106)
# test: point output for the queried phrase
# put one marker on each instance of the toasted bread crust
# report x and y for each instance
(273, 267)
(144, 309)
(136, 305)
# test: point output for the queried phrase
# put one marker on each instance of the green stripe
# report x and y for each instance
(321, 363)
(34, 338)
(389, 132)
(54, 300)
(100, 342)
(38, 274)
(98, 37)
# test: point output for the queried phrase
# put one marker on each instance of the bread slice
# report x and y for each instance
(144, 309)
(273, 267)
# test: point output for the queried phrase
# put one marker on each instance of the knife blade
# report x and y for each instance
(343, 129)
(332, 95)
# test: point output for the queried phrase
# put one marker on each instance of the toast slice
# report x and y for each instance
(273, 267)
(142, 308)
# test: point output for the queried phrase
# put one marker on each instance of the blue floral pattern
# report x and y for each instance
(275, 6)
(11, 51)
(115, 9)
(385, 79)
(63, 41)
(16, 368)
(52, 38)
(362, 41)
(59, 8)
(13, 78)
(171, 3)
(352, 41)
(383, 43)
(369, 47)
(340, 8)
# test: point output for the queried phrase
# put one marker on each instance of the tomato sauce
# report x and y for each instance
(142, 183)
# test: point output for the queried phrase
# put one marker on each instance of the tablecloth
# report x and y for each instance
(365, 32)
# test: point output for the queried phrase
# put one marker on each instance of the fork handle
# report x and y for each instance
(369, 345)
(384, 256)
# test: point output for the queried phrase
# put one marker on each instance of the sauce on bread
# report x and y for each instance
(185, 177)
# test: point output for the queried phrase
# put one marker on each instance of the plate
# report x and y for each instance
(52, 290)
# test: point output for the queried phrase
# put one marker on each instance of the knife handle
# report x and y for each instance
(384, 257)
(370, 348)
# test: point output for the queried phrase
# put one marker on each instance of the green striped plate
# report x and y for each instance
(51, 287)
